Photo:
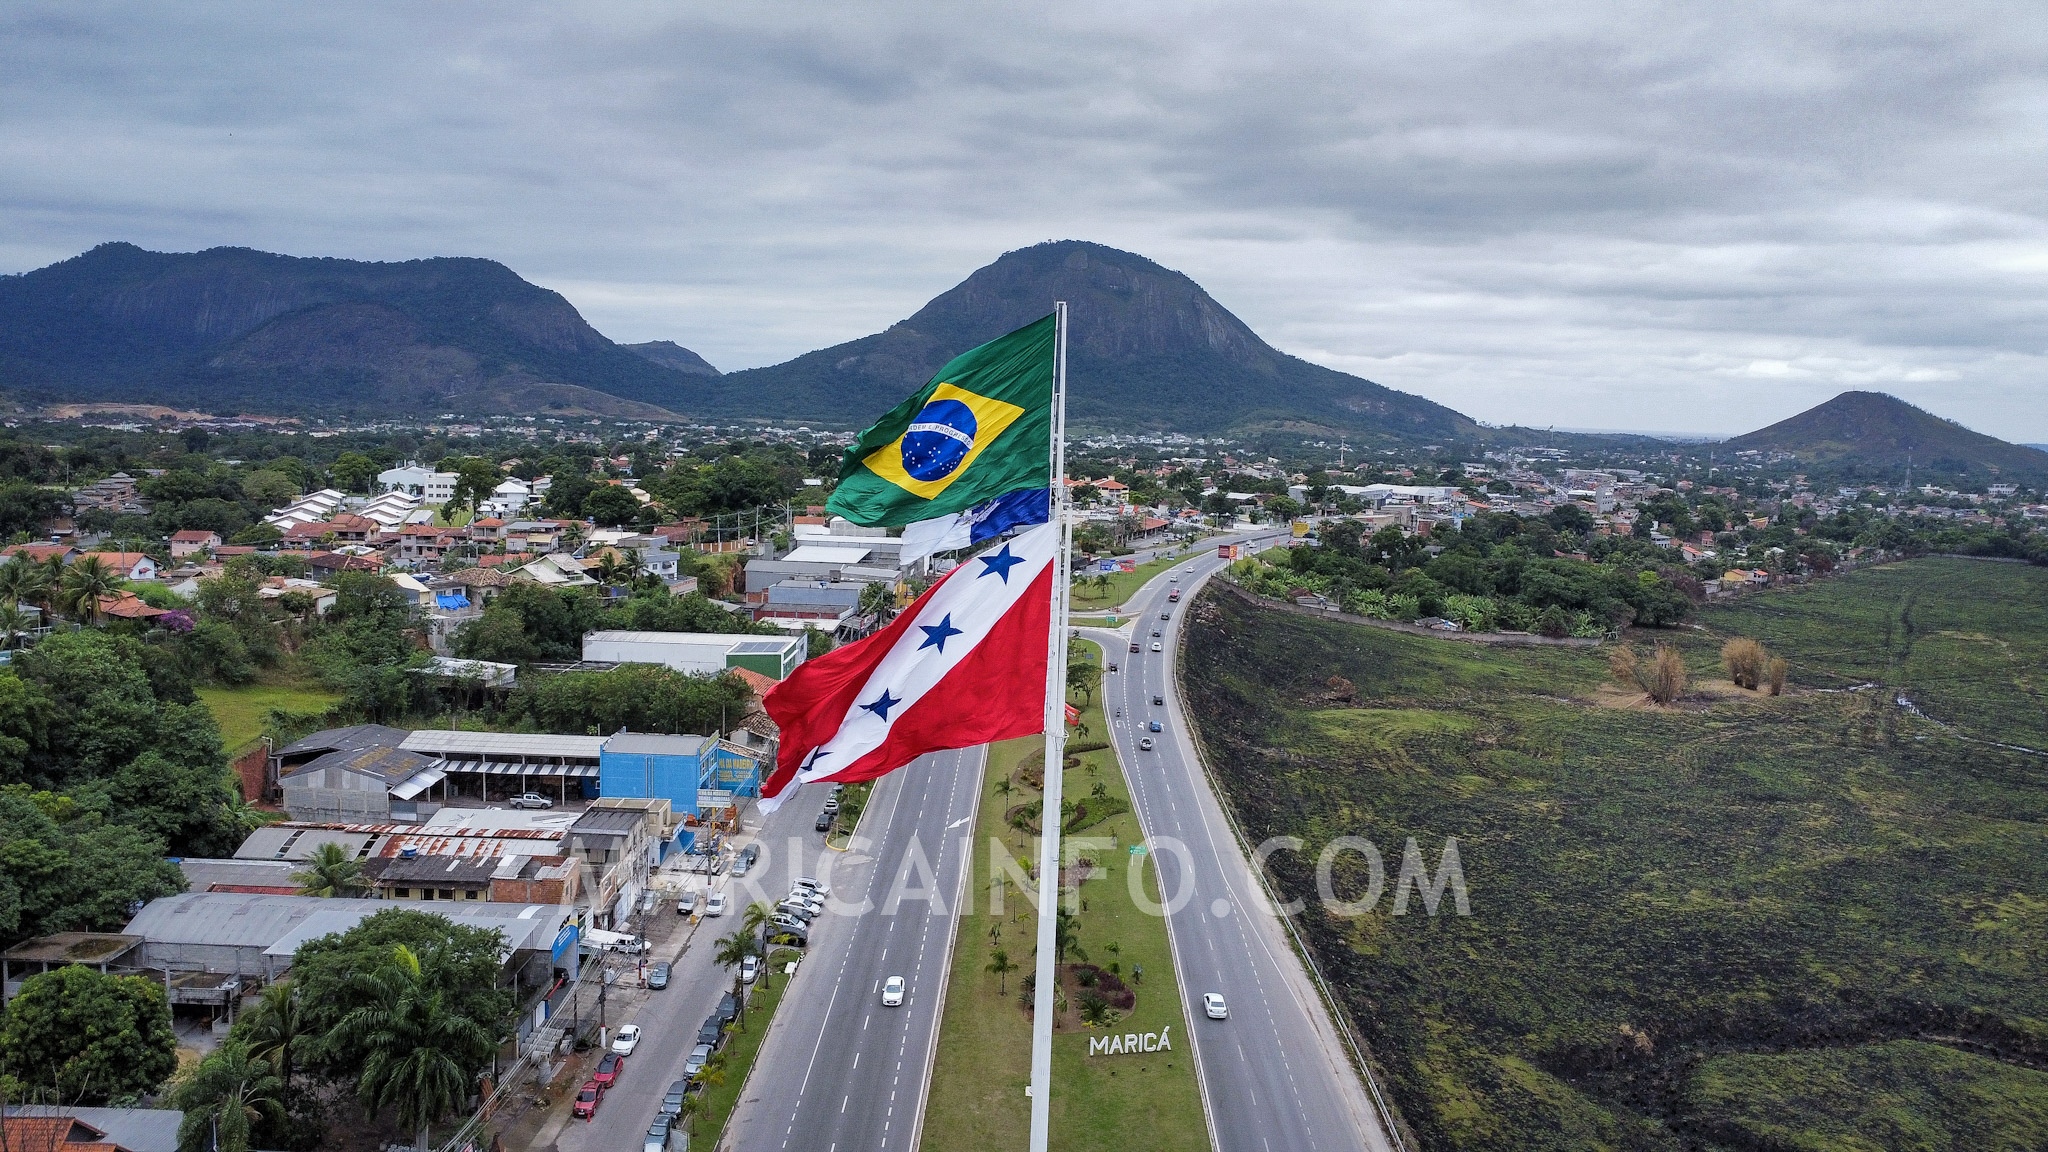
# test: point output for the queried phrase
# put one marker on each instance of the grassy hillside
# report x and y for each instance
(1813, 921)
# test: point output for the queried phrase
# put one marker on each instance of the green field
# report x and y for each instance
(240, 712)
(1815, 921)
(1099, 1104)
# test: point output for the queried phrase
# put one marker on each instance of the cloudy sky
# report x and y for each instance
(1693, 218)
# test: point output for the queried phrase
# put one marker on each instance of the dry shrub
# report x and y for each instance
(1746, 662)
(1666, 680)
(1624, 667)
(1663, 679)
(1775, 677)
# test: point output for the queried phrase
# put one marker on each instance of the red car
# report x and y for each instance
(608, 1070)
(587, 1100)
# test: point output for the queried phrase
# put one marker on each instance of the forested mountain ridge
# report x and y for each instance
(1878, 437)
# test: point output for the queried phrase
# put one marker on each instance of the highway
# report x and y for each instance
(1274, 1076)
(839, 1071)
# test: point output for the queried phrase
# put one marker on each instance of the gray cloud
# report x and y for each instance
(1617, 215)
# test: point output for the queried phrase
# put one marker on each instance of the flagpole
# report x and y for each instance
(1046, 979)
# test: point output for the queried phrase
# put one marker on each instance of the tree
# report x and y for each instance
(475, 480)
(1001, 965)
(22, 579)
(733, 952)
(353, 472)
(459, 963)
(75, 1036)
(275, 1028)
(225, 1097)
(270, 488)
(755, 918)
(1084, 676)
(26, 508)
(1066, 936)
(419, 1053)
(83, 585)
(330, 871)
(13, 622)
(611, 505)
(876, 599)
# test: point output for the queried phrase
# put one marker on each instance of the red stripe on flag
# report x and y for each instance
(1073, 715)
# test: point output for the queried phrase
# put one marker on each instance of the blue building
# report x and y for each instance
(702, 778)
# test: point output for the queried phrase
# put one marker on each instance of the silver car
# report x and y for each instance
(699, 1056)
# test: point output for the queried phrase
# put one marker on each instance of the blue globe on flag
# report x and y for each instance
(937, 442)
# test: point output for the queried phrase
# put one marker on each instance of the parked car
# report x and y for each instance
(699, 1056)
(657, 977)
(530, 800)
(728, 1007)
(832, 805)
(749, 969)
(716, 905)
(627, 1039)
(744, 863)
(1154, 726)
(588, 1098)
(810, 883)
(1145, 745)
(712, 1032)
(672, 1104)
(795, 911)
(657, 1135)
(790, 937)
(785, 922)
(608, 1069)
(892, 992)
(1214, 1007)
(686, 904)
(824, 822)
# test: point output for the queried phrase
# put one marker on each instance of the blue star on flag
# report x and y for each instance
(999, 564)
(816, 755)
(881, 704)
(936, 635)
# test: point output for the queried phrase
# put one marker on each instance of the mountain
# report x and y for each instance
(233, 329)
(670, 354)
(1872, 436)
(1148, 350)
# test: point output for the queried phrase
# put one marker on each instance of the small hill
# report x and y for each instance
(1873, 436)
(1149, 350)
(233, 329)
(670, 354)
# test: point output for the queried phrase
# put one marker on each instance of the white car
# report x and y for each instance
(816, 887)
(1155, 646)
(1214, 1007)
(749, 969)
(627, 1039)
(530, 800)
(716, 905)
(1190, 569)
(892, 992)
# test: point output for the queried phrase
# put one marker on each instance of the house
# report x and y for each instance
(558, 570)
(127, 606)
(41, 553)
(328, 565)
(419, 542)
(277, 587)
(699, 652)
(192, 542)
(132, 1129)
(431, 487)
(418, 594)
(127, 565)
(116, 493)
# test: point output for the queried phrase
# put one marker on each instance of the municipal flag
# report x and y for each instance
(985, 521)
(981, 428)
(964, 665)
(1073, 715)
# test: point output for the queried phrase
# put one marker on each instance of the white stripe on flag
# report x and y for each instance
(972, 599)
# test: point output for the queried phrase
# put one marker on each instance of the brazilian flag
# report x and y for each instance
(981, 428)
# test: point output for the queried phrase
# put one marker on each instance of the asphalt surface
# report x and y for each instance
(1274, 1074)
(669, 1018)
(839, 1071)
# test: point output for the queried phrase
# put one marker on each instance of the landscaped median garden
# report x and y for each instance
(724, 1080)
(1116, 970)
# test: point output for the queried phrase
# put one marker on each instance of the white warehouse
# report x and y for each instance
(700, 652)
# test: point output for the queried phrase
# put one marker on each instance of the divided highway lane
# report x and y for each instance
(839, 1071)
(1275, 1076)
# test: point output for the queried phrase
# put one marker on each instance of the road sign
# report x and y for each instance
(1137, 849)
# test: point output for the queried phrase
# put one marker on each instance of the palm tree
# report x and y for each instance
(733, 952)
(755, 919)
(83, 585)
(21, 579)
(421, 1054)
(1066, 937)
(13, 622)
(330, 871)
(1004, 787)
(225, 1096)
(275, 1028)
(1002, 967)
(53, 579)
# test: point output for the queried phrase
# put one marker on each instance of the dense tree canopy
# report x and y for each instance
(75, 1036)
